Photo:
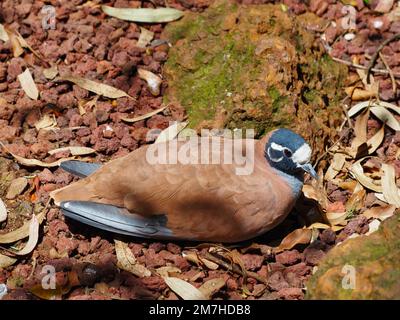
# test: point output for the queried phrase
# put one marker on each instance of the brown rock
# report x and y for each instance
(288, 257)
(252, 261)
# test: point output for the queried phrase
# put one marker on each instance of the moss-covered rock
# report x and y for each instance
(376, 262)
(256, 66)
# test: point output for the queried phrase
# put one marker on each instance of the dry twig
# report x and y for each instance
(376, 54)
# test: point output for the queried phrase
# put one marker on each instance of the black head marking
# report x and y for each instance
(280, 151)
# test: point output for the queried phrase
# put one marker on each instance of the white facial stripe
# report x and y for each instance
(302, 155)
(272, 158)
(277, 147)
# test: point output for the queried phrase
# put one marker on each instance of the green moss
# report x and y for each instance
(375, 258)
(237, 65)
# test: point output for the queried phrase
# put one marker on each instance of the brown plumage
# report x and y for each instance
(206, 202)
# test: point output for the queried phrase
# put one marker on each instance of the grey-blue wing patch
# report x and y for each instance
(79, 168)
(117, 220)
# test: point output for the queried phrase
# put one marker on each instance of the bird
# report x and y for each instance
(190, 201)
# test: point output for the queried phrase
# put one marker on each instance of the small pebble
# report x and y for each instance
(378, 24)
(349, 36)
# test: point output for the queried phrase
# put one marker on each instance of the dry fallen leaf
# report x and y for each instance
(75, 151)
(96, 87)
(360, 130)
(358, 94)
(356, 201)
(153, 81)
(16, 187)
(34, 162)
(28, 84)
(386, 117)
(298, 236)
(376, 140)
(336, 165)
(336, 218)
(3, 211)
(390, 190)
(16, 45)
(358, 172)
(212, 286)
(171, 132)
(127, 261)
(6, 261)
(33, 237)
(184, 289)
(47, 122)
(84, 104)
(191, 257)
(145, 37)
(146, 15)
(21, 232)
(381, 213)
(51, 73)
(209, 264)
(145, 116)
(323, 226)
(167, 271)
(3, 34)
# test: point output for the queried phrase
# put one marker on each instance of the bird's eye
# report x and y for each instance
(287, 153)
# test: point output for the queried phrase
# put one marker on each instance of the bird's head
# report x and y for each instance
(288, 152)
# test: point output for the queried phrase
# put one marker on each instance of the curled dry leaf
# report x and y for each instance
(381, 213)
(167, 271)
(171, 132)
(360, 129)
(336, 218)
(127, 261)
(145, 37)
(96, 87)
(145, 116)
(47, 122)
(3, 211)
(16, 45)
(209, 264)
(16, 187)
(390, 190)
(358, 94)
(184, 289)
(3, 34)
(6, 261)
(356, 201)
(191, 257)
(51, 73)
(75, 151)
(336, 165)
(212, 286)
(298, 236)
(153, 81)
(323, 226)
(386, 117)
(33, 237)
(376, 140)
(358, 172)
(146, 15)
(26, 45)
(83, 104)
(28, 85)
(21, 232)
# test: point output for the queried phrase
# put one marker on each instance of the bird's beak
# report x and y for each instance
(309, 168)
